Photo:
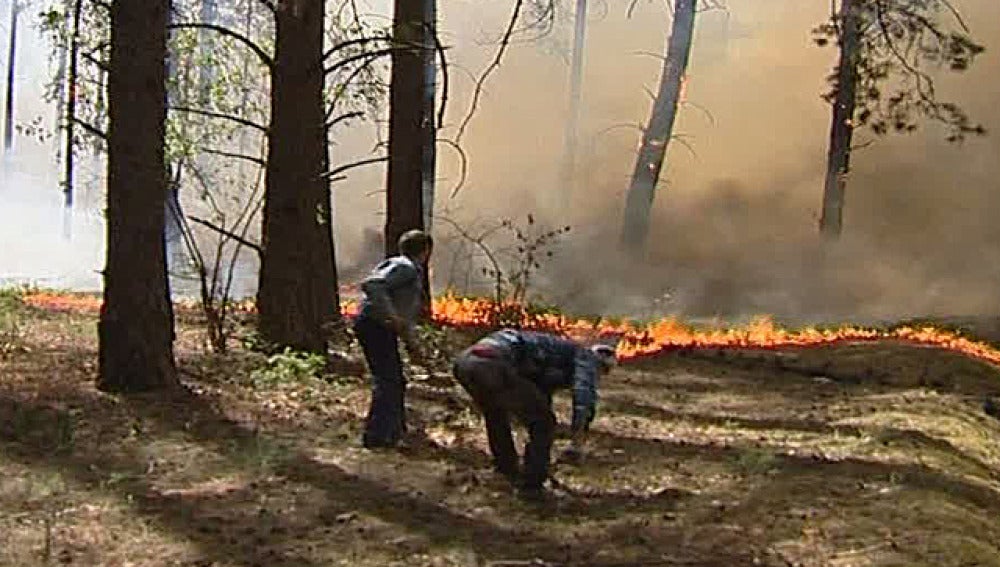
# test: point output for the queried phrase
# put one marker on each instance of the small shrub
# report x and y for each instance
(288, 366)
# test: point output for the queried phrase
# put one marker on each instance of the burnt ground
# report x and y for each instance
(847, 455)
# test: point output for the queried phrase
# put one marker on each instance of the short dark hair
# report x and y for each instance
(414, 242)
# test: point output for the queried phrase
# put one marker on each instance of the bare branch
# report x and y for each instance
(249, 43)
(352, 42)
(343, 117)
(104, 67)
(492, 67)
(444, 76)
(464, 165)
(334, 172)
(252, 159)
(212, 114)
(91, 129)
(252, 245)
(347, 61)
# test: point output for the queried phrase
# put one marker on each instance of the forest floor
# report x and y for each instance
(876, 454)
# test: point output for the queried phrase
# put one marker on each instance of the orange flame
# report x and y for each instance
(634, 340)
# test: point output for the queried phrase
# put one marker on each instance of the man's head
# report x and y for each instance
(606, 356)
(416, 244)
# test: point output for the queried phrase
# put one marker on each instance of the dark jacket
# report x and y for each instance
(553, 363)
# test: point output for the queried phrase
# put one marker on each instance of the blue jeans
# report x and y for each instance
(386, 421)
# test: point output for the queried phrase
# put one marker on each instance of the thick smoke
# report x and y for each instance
(735, 218)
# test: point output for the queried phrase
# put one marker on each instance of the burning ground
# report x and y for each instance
(873, 453)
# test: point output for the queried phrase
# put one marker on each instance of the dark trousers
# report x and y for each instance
(386, 421)
(501, 393)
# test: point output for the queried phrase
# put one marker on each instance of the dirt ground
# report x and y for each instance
(849, 456)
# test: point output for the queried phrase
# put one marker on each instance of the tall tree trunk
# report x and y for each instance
(429, 156)
(8, 130)
(575, 92)
(297, 292)
(658, 131)
(70, 119)
(407, 119)
(842, 127)
(136, 328)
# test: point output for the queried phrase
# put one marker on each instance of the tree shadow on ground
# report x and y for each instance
(627, 406)
(229, 526)
(917, 476)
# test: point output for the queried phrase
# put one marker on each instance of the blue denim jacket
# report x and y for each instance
(394, 287)
(553, 363)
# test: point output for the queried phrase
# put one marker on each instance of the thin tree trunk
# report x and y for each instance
(407, 135)
(8, 132)
(429, 158)
(136, 329)
(430, 131)
(841, 128)
(297, 292)
(60, 77)
(575, 94)
(658, 131)
(70, 119)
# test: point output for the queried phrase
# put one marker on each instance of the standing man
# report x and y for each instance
(393, 298)
(514, 373)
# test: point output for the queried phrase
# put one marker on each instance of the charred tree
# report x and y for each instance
(659, 130)
(842, 126)
(8, 129)
(882, 80)
(297, 291)
(136, 330)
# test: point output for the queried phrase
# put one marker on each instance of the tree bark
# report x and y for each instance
(429, 149)
(842, 126)
(136, 329)
(8, 131)
(297, 292)
(656, 137)
(406, 93)
(407, 121)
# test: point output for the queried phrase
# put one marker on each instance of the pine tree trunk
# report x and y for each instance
(8, 131)
(405, 192)
(136, 329)
(297, 292)
(841, 128)
(658, 131)
(407, 135)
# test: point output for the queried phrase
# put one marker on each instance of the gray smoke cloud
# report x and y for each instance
(735, 218)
